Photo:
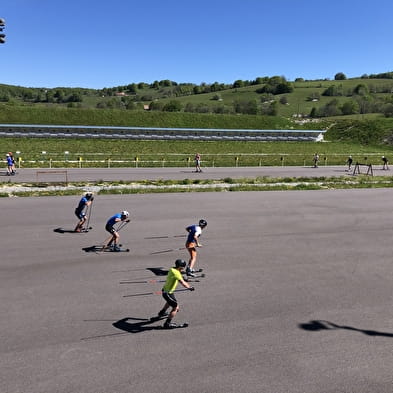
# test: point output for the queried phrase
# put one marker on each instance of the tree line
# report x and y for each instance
(361, 99)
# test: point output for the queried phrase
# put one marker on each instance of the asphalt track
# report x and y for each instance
(297, 295)
(134, 174)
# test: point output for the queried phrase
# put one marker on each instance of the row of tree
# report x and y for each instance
(357, 105)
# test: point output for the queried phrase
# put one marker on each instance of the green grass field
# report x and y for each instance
(96, 152)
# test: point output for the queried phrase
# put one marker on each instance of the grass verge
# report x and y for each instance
(187, 185)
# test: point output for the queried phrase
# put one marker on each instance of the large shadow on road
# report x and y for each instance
(318, 325)
(136, 327)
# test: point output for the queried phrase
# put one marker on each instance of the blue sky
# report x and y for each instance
(97, 44)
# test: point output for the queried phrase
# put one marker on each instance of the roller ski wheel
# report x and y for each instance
(194, 277)
(169, 326)
(119, 249)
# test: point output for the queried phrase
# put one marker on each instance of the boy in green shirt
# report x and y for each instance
(174, 277)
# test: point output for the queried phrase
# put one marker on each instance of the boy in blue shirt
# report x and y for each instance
(81, 210)
(109, 227)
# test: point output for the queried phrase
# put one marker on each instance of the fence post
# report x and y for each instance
(109, 162)
(80, 162)
(236, 161)
(188, 161)
(136, 159)
(282, 161)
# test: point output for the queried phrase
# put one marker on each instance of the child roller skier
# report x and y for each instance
(173, 278)
(194, 231)
(81, 210)
(109, 227)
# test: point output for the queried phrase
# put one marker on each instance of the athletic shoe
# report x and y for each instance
(189, 272)
(170, 325)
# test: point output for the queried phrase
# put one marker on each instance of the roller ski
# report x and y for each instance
(194, 273)
(106, 248)
(115, 248)
(173, 325)
(85, 230)
(194, 278)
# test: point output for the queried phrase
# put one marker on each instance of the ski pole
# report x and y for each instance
(162, 237)
(155, 281)
(169, 250)
(154, 293)
(142, 282)
(122, 225)
(89, 215)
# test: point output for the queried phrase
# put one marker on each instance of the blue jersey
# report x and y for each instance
(112, 221)
(82, 204)
(193, 230)
(10, 161)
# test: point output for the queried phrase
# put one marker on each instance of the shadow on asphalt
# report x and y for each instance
(62, 230)
(138, 327)
(158, 271)
(314, 326)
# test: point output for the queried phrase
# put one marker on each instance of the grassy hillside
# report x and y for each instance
(10, 114)
(304, 96)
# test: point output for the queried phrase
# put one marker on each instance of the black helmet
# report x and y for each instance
(180, 263)
(202, 223)
(89, 195)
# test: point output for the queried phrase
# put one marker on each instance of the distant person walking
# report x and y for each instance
(10, 165)
(13, 162)
(315, 160)
(197, 159)
(349, 162)
(385, 163)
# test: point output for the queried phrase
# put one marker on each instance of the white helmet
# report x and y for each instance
(125, 213)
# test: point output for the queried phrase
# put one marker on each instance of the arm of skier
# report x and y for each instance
(186, 285)
(196, 238)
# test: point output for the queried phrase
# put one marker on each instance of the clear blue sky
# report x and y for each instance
(97, 44)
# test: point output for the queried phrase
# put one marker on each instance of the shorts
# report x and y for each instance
(170, 298)
(109, 228)
(191, 245)
(79, 214)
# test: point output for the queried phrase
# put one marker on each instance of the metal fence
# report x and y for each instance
(101, 160)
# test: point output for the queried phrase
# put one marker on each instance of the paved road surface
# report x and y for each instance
(297, 297)
(128, 174)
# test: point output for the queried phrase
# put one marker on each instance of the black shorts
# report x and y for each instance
(79, 214)
(110, 229)
(170, 298)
